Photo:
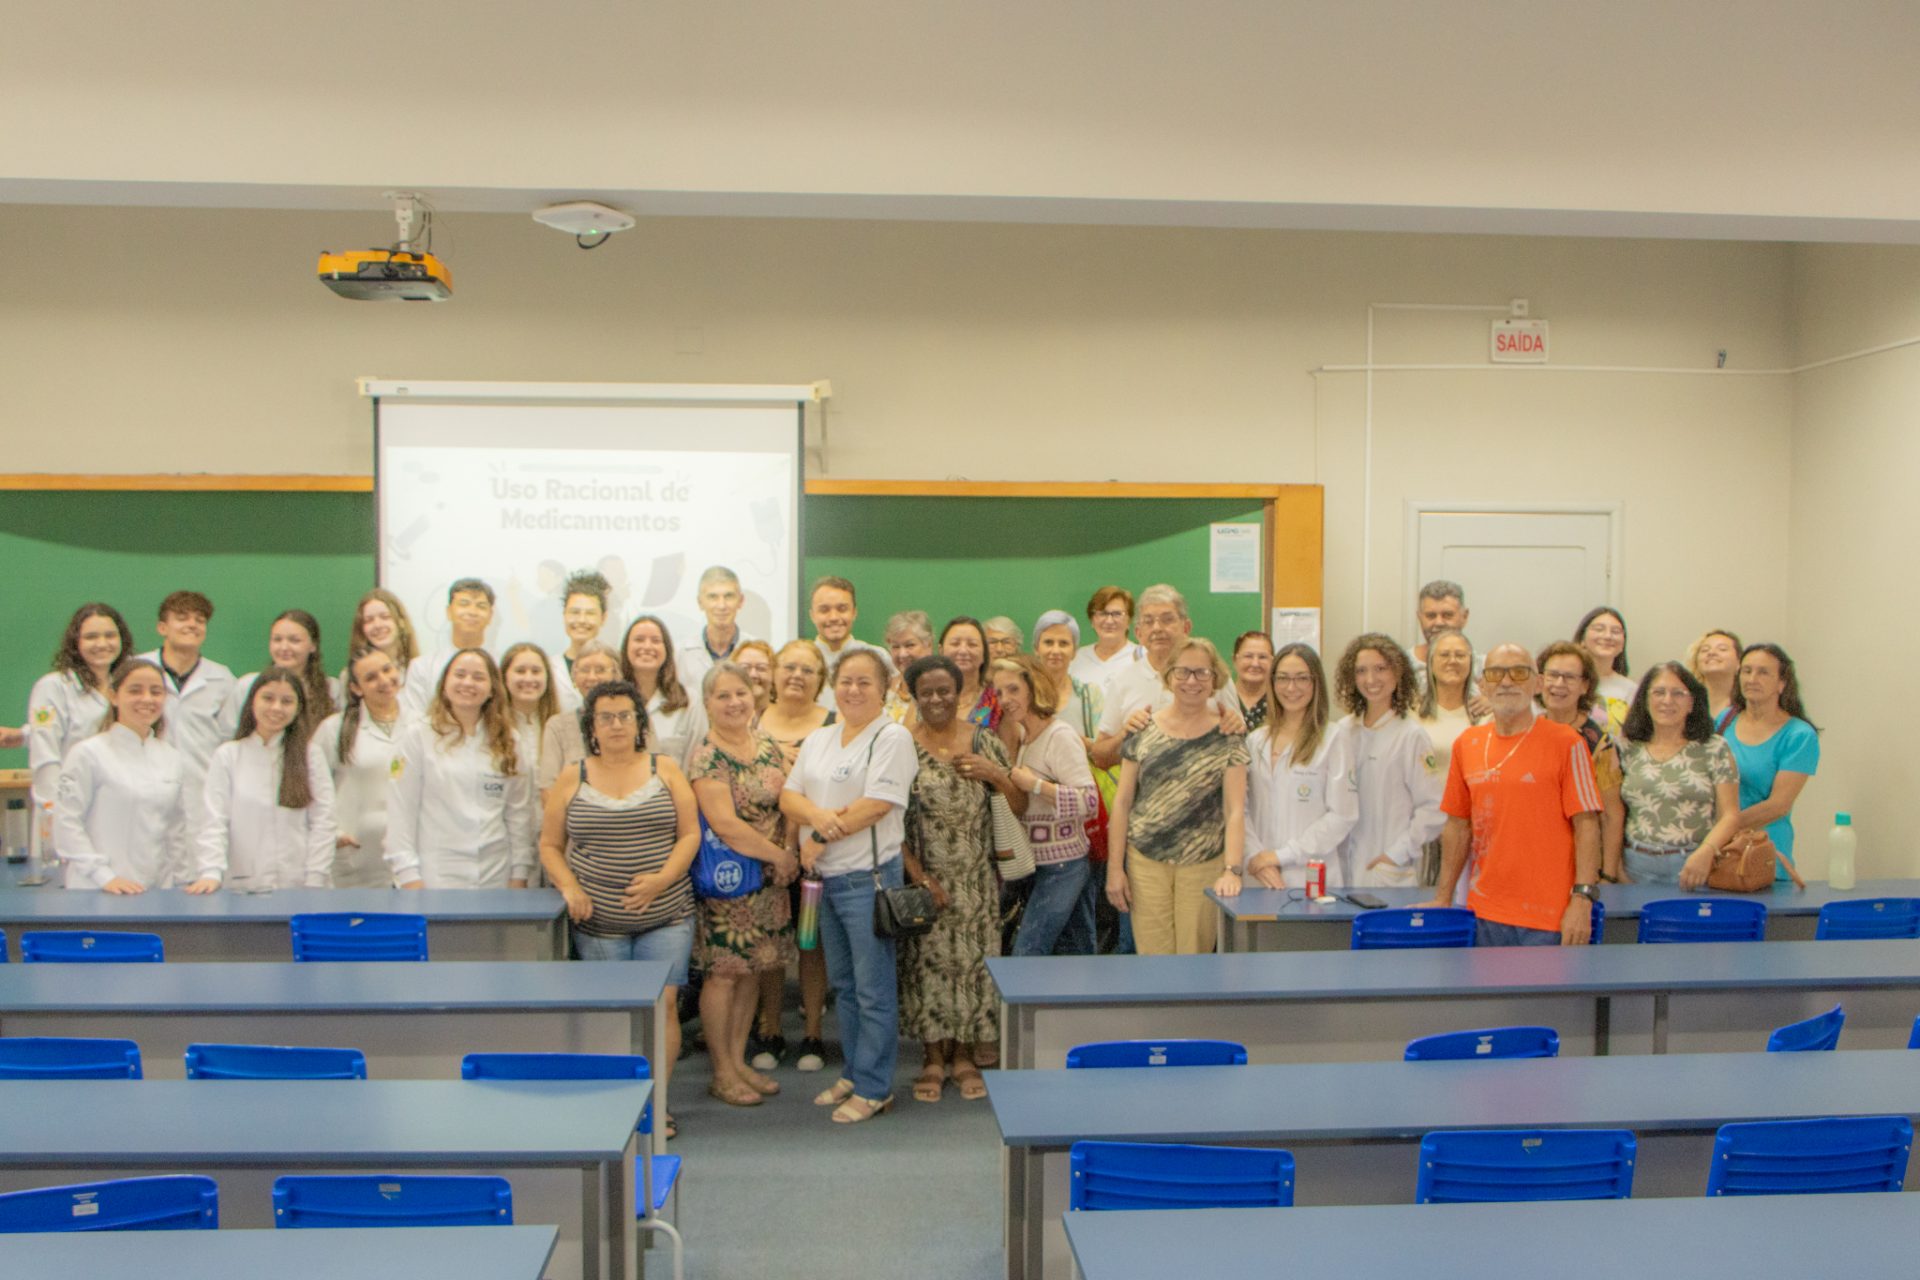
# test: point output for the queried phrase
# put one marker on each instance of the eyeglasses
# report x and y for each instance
(1669, 695)
(1286, 679)
(1112, 615)
(1510, 675)
(1190, 674)
(806, 667)
(1557, 677)
(1159, 619)
(613, 717)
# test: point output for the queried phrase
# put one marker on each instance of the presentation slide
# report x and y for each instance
(521, 495)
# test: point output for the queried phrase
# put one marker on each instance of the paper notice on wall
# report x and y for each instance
(1296, 626)
(1236, 559)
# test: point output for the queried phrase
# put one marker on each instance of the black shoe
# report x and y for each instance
(764, 1052)
(813, 1055)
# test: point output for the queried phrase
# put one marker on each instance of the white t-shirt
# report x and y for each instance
(1140, 686)
(246, 838)
(360, 797)
(1302, 811)
(879, 764)
(676, 733)
(1089, 667)
(1444, 730)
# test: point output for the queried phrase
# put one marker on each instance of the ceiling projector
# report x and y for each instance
(402, 273)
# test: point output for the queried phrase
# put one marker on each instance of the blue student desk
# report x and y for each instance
(565, 1146)
(349, 1253)
(1355, 1128)
(1330, 1006)
(412, 1020)
(1865, 1236)
(462, 924)
(1258, 919)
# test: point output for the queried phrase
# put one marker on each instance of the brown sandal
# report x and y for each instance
(765, 1085)
(929, 1083)
(834, 1094)
(967, 1076)
(740, 1095)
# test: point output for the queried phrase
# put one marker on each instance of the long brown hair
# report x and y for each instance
(67, 659)
(402, 625)
(549, 704)
(1789, 683)
(316, 696)
(1429, 706)
(296, 789)
(1314, 727)
(673, 694)
(1406, 692)
(355, 703)
(495, 722)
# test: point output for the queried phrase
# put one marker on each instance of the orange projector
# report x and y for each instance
(386, 275)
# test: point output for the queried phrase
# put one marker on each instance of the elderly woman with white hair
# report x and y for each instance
(1056, 642)
(909, 638)
(1004, 638)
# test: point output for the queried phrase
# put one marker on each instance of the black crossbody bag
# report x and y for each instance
(906, 912)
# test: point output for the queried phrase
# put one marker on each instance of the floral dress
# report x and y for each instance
(754, 932)
(945, 991)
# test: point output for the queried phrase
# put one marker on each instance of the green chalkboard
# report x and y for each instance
(253, 554)
(1022, 556)
(256, 554)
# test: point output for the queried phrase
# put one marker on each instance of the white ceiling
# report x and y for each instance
(1750, 119)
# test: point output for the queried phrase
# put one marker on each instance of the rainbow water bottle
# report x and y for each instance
(808, 929)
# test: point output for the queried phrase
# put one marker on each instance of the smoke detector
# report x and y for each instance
(587, 221)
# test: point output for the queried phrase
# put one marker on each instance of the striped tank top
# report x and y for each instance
(610, 841)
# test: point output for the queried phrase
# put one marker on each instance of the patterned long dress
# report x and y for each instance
(945, 991)
(753, 932)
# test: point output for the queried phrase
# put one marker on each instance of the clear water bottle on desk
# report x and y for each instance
(1840, 851)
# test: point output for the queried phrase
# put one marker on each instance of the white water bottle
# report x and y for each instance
(1840, 850)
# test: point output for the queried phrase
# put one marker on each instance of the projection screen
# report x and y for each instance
(521, 491)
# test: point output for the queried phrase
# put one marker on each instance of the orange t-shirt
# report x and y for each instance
(1521, 794)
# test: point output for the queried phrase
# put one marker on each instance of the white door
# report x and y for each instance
(1529, 575)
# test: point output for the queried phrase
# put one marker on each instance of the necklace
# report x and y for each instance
(1492, 771)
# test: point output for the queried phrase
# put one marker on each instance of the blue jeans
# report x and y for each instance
(1653, 868)
(866, 978)
(670, 943)
(1059, 915)
(1492, 934)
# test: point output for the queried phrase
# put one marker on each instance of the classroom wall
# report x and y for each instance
(145, 340)
(1854, 613)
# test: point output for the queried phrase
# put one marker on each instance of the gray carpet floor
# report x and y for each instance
(780, 1191)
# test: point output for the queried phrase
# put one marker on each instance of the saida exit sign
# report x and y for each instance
(1520, 341)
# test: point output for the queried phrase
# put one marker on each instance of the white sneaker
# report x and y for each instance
(764, 1061)
(812, 1056)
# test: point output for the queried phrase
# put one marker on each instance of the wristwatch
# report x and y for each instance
(1585, 891)
(1236, 871)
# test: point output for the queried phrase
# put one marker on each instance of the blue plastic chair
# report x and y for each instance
(1599, 923)
(1793, 1157)
(1393, 927)
(273, 1062)
(388, 1200)
(1477, 1166)
(1870, 918)
(599, 1066)
(1913, 1037)
(1158, 1053)
(1150, 1175)
(1819, 1032)
(83, 946)
(1494, 1042)
(175, 1202)
(363, 935)
(66, 1058)
(3, 946)
(1703, 920)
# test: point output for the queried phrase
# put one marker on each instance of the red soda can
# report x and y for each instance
(1316, 878)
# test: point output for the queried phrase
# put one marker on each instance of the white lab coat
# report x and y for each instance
(1401, 782)
(197, 721)
(360, 797)
(423, 677)
(454, 821)
(1301, 811)
(119, 810)
(246, 838)
(61, 714)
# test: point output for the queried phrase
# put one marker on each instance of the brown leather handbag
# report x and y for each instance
(1745, 864)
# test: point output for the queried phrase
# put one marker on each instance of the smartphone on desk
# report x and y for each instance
(1365, 901)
